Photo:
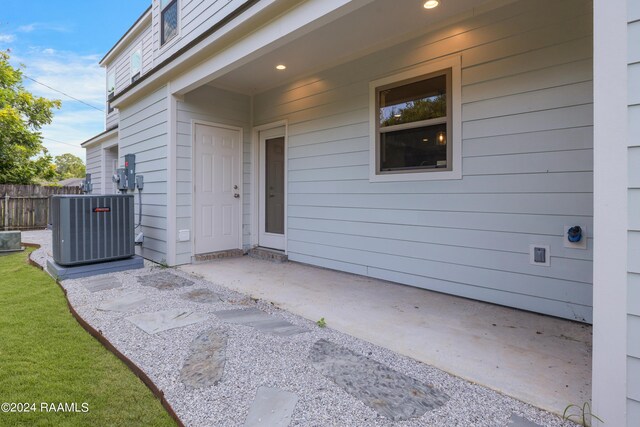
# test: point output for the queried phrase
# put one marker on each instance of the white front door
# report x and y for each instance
(217, 190)
(272, 188)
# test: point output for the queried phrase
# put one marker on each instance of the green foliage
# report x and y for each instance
(321, 323)
(46, 356)
(420, 109)
(582, 415)
(69, 166)
(23, 158)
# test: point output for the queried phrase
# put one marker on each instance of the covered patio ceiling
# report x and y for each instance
(376, 25)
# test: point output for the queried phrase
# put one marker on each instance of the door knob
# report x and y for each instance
(236, 195)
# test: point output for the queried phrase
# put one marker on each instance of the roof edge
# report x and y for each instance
(126, 35)
(100, 137)
(211, 30)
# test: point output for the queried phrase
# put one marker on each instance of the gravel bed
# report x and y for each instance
(255, 359)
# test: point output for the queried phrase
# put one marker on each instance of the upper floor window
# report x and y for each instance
(136, 64)
(415, 124)
(111, 89)
(168, 20)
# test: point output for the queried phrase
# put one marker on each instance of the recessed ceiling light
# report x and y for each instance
(281, 67)
(430, 4)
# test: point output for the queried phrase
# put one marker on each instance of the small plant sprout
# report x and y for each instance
(321, 323)
(580, 415)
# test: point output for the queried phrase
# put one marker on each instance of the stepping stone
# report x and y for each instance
(271, 407)
(164, 320)
(205, 296)
(205, 364)
(388, 392)
(126, 302)
(164, 281)
(518, 421)
(260, 320)
(102, 284)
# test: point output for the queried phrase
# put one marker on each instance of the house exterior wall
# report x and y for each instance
(94, 166)
(194, 17)
(633, 290)
(527, 165)
(110, 155)
(143, 132)
(121, 65)
(221, 107)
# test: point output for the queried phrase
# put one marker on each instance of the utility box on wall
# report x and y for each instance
(90, 229)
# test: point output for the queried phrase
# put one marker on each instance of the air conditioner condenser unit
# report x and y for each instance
(89, 229)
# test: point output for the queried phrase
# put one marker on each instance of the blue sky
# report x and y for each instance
(60, 44)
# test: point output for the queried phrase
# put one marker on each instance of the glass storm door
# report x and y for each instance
(272, 188)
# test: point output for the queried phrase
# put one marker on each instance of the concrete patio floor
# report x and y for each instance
(538, 359)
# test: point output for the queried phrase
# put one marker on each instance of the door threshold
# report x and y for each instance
(210, 256)
(268, 254)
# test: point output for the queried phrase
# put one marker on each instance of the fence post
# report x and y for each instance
(6, 211)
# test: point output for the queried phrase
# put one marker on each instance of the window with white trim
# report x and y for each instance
(135, 63)
(111, 89)
(168, 20)
(415, 125)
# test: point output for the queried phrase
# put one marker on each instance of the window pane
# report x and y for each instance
(418, 148)
(422, 100)
(274, 185)
(136, 62)
(111, 82)
(170, 21)
(164, 3)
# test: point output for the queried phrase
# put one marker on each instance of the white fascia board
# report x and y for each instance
(295, 23)
(122, 44)
(302, 20)
(100, 138)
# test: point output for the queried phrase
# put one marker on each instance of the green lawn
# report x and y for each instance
(45, 356)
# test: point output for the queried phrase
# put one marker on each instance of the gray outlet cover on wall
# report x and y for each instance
(540, 255)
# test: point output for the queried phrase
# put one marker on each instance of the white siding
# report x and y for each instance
(221, 107)
(527, 165)
(194, 18)
(94, 166)
(120, 64)
(633, 295)
(110, 155)
(143, 132)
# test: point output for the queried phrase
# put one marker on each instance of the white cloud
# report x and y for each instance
(77, 75)
(7, 38)
(35, 26)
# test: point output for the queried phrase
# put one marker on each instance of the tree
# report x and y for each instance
(23, 158)
(69, 166)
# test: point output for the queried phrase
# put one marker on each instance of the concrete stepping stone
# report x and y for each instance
(388, 392)
(164, 320)
(518, 421)
(124, 303)
(205, 296)
(271, 407)
(260, 320)
(103, 284)
(164, 281)
(205, 364)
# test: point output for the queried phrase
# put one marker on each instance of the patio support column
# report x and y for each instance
(610, 213)
(172, 239)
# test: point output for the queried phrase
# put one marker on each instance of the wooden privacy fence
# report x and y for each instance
(26, 207)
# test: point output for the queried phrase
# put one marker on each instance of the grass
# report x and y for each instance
(46, 356)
